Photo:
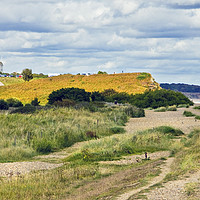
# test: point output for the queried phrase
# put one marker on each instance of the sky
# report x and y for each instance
(161, 37)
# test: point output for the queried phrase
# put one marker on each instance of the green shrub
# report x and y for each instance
(183, 106)
(134, 112)
(197, 117)
(35, 102)
(42, 145)
(64, 103)
(12, 102)
(27, 109)
(188, 114)
(97, 96)
(159, 98)
(117, 130)
(161, 109)
(169, 130)
(149, 108)
(3, 105)
(172, 108)
(75, 94)
(197, 107)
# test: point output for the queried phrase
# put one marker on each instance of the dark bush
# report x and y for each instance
(109, 92)
(12, 102)
(35, 102)
(3, 105)
(97, 96)
(159, 98)
(111, 95)
(197, 117)
(64, 103)
(75, 94)
(197, 107)
(27, 109)
(116, 130)
(188, 114)
(169, 130)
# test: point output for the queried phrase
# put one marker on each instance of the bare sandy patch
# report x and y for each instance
(169, 118)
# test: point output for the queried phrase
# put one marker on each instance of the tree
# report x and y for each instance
(27, 74)
(100, 72)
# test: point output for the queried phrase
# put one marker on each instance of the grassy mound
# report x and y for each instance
(41, 88)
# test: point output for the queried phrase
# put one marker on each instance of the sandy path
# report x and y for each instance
(174, 189)
(137, 158)
(169, 118)
(19, 168)
(165, 169)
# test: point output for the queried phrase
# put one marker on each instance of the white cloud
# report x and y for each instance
(158, 36)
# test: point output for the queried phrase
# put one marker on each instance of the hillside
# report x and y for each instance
(190, 91)
(132, 83)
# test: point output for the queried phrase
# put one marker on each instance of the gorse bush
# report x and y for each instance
(159, 98)
(43, 145)
(75, 94)
(188, 114)
(183, 106)
(97, 96)
(197, 107)
(12, 102)
(87, 105)
(64, 103)
(197, 117)
(3, 105)
(27, 109)
(160, 109)
(172, 108)
(169, 130)
(134, 112)
(116, 130)
(35, 102)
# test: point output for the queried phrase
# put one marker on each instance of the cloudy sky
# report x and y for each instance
(70, 36)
